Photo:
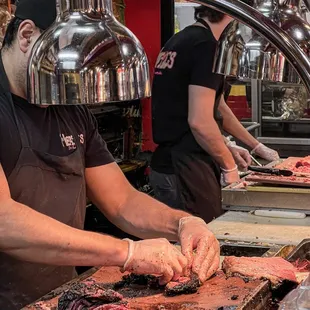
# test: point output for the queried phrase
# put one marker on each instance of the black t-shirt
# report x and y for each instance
(56, 130)
(187, 59)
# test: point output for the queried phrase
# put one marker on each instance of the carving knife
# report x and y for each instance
(256, 161)
(286, 173)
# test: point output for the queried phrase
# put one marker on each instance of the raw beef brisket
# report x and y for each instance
(275, 269)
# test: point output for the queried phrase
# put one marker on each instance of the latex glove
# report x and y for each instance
(265, 152)
(195, 235)
(229, 176)
(241, 156)
(157, 257)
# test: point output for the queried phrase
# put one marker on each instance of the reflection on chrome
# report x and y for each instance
(87, 57)
(247, 55)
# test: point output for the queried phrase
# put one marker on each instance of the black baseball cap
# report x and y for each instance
(41, 12)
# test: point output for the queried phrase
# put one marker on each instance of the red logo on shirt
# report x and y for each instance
(165, 60)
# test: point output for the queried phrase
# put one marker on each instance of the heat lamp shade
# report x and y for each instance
(244, 54)
(83, 59)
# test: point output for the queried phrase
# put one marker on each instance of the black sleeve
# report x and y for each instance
(227, 90)
(201, 66)
(97, 153)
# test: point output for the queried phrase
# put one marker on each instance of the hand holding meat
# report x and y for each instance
(241, 156)
(195, 235)
(265, 152)
(157, 257)
(229, 176)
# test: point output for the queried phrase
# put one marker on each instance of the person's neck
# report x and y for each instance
(11, 75)
(216, 29)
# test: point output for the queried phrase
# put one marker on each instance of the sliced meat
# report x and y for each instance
(149, 281)
(275, 269)
(109, 307)
(302, 265)
(184, 285)
(87, 296)
(304, 162)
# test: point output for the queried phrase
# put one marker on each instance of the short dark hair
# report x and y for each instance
(212, 15)
(11, 32)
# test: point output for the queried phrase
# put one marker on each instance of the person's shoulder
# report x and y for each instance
(80, 111)
(199, 33)
(77, 115)
(192, 36)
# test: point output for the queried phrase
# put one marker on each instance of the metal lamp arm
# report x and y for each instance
(269, 30)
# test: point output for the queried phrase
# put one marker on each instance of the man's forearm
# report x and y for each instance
(232, 126)
(147, 218)
(209, 137)
(32, 236)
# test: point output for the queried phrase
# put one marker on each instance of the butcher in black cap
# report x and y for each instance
(48, 157)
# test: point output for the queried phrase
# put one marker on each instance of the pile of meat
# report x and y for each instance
(302, 265)
(275, 269)
(92, 296)
(301, 166)
(184, 285)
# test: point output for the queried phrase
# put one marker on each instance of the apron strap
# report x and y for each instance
(23, 135)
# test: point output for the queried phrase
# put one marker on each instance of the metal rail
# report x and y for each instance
(269, 30)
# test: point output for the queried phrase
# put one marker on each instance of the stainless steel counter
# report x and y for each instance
(243, 226)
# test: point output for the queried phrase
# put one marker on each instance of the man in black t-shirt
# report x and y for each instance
(189, 112)
(48, 157)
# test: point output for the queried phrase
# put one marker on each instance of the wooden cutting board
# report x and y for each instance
(288, 164)
(216, 293)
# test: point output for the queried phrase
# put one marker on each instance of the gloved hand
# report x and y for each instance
(229, 176)
(155, 256)
(241, 156)
(195, 235)
(265, 152)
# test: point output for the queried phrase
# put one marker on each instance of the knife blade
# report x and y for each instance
(256, 161)
(286, 173)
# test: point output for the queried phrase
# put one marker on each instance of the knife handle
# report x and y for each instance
(264, 170)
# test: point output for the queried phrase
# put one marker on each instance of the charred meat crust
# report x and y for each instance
(184, 285)
(88, 296)
(149, 281)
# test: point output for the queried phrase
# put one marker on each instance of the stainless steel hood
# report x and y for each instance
(87, 57)
(271, 31)
(247, 55)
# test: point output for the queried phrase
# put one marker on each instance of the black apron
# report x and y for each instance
(54, 186)
(198, 182)
(198, 175)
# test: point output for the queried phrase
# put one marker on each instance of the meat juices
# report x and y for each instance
(90, 295)
(275, 269)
